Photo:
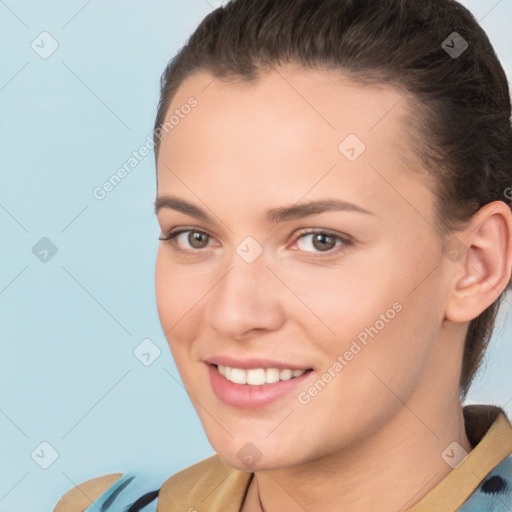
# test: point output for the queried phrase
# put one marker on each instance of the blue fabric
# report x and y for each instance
(494, 494)
(126, 491)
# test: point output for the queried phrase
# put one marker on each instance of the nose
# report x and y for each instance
(246, 301)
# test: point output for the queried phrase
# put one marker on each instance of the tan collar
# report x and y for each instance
(210, 485)
(214, 486)
(487, 427)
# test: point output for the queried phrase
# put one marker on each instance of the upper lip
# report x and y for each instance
(253, 362)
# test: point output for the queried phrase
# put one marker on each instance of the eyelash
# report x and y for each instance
(170, 238)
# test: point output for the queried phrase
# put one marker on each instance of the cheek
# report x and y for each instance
(374, 323)
(384, 354)
(178, 298)
(163, 294)
(174, 288)
(338, 302)
(174, 294)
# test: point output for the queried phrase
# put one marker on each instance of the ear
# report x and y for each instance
(482, 255)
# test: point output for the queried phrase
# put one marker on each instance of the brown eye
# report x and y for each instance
(321, 241)
(186, 240)
(196, 239)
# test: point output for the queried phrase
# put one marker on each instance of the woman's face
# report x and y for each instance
(354, 293)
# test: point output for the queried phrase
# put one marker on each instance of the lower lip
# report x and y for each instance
(245, 396)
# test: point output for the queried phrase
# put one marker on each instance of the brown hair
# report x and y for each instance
(461, 129)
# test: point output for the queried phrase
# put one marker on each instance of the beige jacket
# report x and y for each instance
(213, 486)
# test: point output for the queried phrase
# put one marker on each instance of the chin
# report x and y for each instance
(234, 462)
(259, 462)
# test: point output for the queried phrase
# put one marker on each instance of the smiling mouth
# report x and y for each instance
(258, 376)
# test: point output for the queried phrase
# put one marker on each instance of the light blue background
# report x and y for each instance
(69, 326)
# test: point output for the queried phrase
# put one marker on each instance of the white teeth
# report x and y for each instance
(238, 376)
(271, 375)
(257, 376)
(286, 374)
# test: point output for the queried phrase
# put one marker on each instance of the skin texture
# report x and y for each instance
(374, 435)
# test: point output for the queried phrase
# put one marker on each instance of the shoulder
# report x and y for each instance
(81, 496)
(494, 491)
(205, 482)
(112, 493)
(205, 485)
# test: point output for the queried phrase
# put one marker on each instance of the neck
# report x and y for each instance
(390, 471)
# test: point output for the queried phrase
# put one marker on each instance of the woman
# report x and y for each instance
(333, 190)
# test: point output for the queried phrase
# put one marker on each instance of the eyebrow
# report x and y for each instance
(274, 215)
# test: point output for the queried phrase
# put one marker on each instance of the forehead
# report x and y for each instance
(285, 131)
(327, 100)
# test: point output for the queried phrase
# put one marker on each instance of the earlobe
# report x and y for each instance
(483, 272)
